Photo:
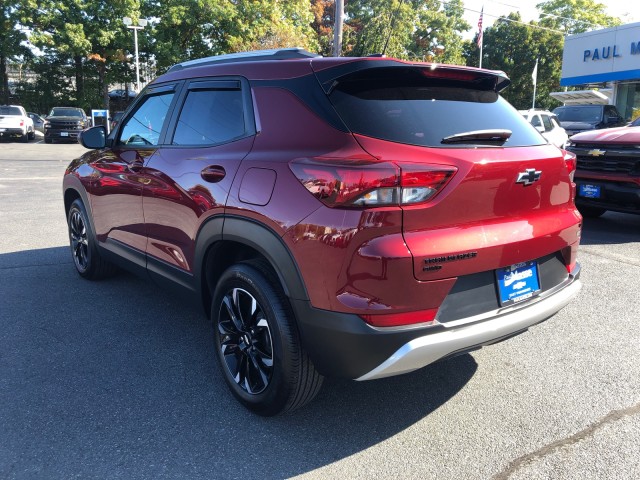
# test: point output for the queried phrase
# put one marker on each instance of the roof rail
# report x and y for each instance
(252, 56)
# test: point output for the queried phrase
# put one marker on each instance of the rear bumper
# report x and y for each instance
(12, 131)
(427, 349)
(343, 345)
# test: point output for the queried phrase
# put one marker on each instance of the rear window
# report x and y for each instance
(406, 106)
(579, 114)
(10, 111)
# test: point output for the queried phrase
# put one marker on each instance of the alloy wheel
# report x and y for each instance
(245, 341)
(79, 240)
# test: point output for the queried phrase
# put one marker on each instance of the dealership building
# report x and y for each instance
(604, 66)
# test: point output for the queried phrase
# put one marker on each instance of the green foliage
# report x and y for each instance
(83, 48)
(12, 39)
(413, 29)
(575, 16)
(200, 28)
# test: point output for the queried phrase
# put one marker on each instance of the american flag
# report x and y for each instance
(479, 41)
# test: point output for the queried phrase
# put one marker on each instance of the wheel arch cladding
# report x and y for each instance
(223, 241)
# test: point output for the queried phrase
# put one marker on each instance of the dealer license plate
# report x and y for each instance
(589, 191)
(518, 282)
(64, 134)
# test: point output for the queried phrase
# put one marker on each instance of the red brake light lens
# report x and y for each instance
(571, 161)
(400, 319)
(358, 183)
(421, 182)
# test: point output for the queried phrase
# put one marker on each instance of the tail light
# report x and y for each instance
(400, 319)
(571, 161)
(22, 123)
(358, 183)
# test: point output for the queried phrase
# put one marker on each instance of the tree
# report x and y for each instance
(13, 39)
(575, 16)
(90, 36)
(412, 29)
(323, 24)
(201, 28)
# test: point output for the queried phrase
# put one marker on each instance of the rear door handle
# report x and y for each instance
(213, 173)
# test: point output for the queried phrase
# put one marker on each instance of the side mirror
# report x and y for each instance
(94, 137)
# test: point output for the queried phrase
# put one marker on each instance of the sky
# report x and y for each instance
(627, 10)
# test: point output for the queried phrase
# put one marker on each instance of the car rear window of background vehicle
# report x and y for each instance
(403, 105)
(579, 114)
(10, 111)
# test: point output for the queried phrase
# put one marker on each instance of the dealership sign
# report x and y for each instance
(602, 56)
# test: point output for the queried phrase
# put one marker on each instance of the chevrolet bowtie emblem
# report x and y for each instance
(596, 153)
(529, 176)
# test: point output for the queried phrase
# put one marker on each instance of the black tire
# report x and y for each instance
(32, 135)
(592, 212)
(48, 140)
(25, 138)
(86, 257)
(257, 342)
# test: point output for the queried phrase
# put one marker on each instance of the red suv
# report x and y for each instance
(352, 217)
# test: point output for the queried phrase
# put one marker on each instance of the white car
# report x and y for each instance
(14, 121)
(548, 125)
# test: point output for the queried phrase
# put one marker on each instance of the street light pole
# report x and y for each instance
(141, 24)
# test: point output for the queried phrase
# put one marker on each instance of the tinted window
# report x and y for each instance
(210, 117)
(144, 127)
(535, 121)
(588, 114)
(548, 126)
(407, 106)
(66, 112)
(10, 111)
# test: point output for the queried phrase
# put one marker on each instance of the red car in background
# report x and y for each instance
(608, 170)
(351, 217)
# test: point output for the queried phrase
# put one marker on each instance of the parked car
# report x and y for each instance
(121, 93)
(38, 121)
(64, 124)
(548, 125)
(14, 122)
(115, 119)
(579, 118)
(608, 170)
(349, 217)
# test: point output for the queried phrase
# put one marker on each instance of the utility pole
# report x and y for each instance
(337, 29)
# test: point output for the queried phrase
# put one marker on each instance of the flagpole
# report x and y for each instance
(480, 39)
(534, 76)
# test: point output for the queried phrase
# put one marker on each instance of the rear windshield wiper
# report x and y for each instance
(495, 136)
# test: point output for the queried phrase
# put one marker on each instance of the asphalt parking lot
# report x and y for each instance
(116, 379)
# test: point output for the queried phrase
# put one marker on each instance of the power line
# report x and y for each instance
(517, 7)
(502, 17)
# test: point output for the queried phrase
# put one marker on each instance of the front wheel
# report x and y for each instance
(257, 342)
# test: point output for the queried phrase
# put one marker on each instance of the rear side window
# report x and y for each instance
(546, 121)
(535, 121)
(211, 116)
(403, 105)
